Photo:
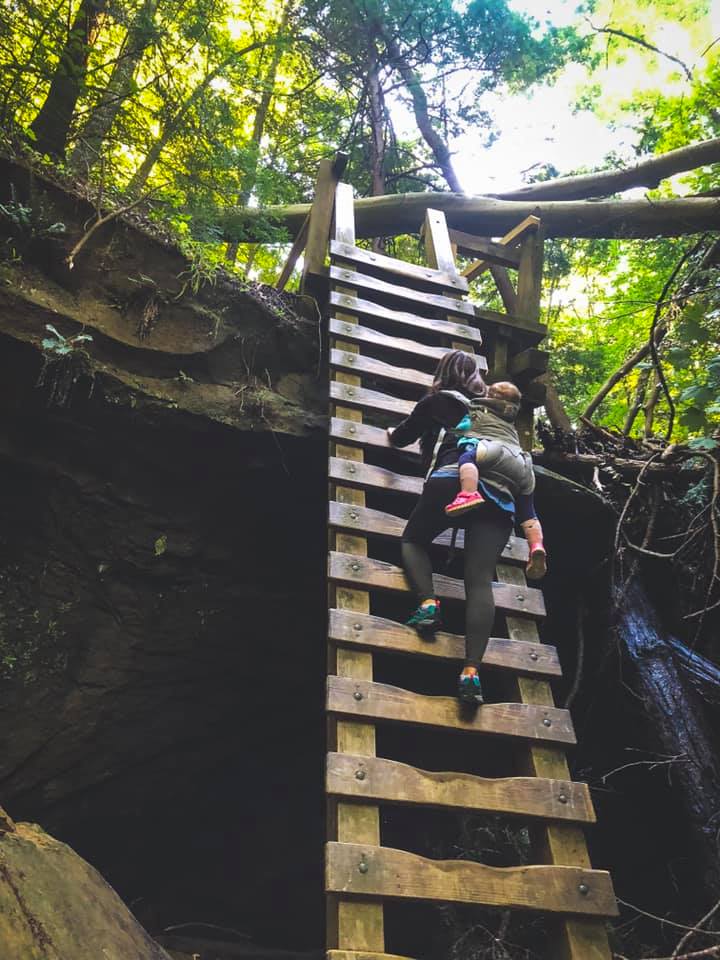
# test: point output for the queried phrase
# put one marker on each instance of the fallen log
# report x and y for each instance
(646, 173)
(404, 213)
(627, 466)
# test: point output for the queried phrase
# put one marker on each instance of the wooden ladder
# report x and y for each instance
(390, 321)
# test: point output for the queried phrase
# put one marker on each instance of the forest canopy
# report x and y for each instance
(194, 107)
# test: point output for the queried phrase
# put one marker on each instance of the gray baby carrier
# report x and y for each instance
(500, 459)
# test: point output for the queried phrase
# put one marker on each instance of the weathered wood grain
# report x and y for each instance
(478, 247)
(363, 398)
(529, 363)
(362, 281)
(369, 366)
(368, 308)
(366, 436)
(383, 872)
(407, 271)
(365, 335)
(363, 699)
(364, 630)
(376, 574)
(364, 475)
(386, 525)
(371, 778)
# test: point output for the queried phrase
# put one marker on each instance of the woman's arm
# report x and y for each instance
(434, 410)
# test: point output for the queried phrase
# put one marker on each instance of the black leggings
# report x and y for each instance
(487, 530)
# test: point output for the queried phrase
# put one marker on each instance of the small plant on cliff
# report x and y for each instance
(25, 224)
(65, 361)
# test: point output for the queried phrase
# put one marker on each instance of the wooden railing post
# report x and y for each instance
(321, 216)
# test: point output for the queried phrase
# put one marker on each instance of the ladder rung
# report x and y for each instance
(351, 396)
(365, 475)
(361, 955)
(355, 280)
(361, 434)
(371, 778)
(359, 334)
(365, 630)
(365, 700)
(365, 871)
(347, 303)
(409, 271)
(357, 363)
(378, 575)
(350, 517)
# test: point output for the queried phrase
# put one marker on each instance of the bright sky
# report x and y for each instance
(544, 129)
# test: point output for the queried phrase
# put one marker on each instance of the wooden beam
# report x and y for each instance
(579, 939)
(294, 255)
(397, 214)
(365, 520)
(470, 246)
(349, 924)
(346, 326)
(370, 778)
(376, 286)
(378, 575)
(320, 219)
(368, 308)
(364, 630)
(366, 399)
(363, 700)
(408, 271)
(383, 872)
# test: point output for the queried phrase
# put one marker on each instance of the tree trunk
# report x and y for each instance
(670, 679)
(646, 173)
(554, 408)
(92, 136)
(51, 126)
(259, 121)
(376, 111)
(396, 214)
(440, 149)
(639, 396)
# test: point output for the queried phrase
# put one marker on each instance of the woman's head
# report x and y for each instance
(458, 370)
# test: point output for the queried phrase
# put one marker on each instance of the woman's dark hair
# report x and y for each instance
(458, 370)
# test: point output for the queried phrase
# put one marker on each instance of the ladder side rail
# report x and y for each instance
(351, 924)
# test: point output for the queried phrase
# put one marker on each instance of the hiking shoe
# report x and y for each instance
(537, 564)
(469, 689)
(426, 619)
(464, 502)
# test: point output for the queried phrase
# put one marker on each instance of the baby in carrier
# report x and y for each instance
(490, 448)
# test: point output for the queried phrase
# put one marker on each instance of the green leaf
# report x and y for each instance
(693, 418)
(699, 393)
(703, 443)
(161, 545)
(678, 356)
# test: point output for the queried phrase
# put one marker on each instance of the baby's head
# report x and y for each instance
(504, 390)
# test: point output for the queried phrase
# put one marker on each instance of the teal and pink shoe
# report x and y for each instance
(464, 502)
(469, 689)
(426, 619)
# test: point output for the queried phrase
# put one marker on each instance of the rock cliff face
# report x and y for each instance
(55, 905)
(162, 505)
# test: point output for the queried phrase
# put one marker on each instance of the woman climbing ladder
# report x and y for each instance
(438, 421)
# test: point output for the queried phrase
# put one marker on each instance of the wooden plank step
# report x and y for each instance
(378, 575)
(365, 630)
(361, 955)
(347, 303)
(365, 700)
(363, 435)
(351, 396)
(408, 271)
(354, 869)
(365, 335)
(362, 281)
(365, 475)
(359, 364)
(372, 778)
(347, 516)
